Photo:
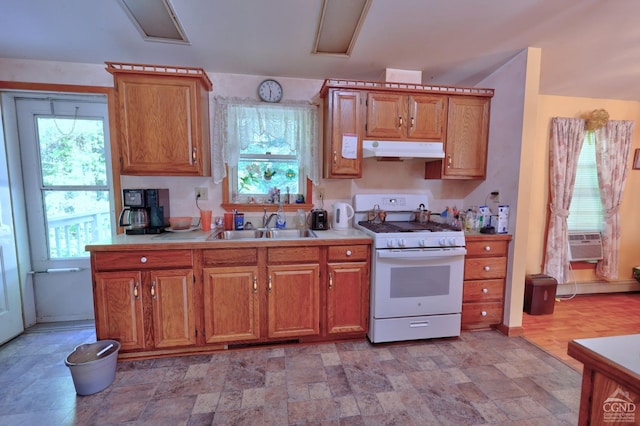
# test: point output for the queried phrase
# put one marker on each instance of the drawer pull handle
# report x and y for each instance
(255, 284)
(419, 324)
(487, 248)
(483, 313)
(335, 157)
(269, 286)
(487, 268)
(449, 161)
(399, 122)
(135, 289)
(348, 253)
(330, 281)
(143, 259)
(153, 290)
(485, 290)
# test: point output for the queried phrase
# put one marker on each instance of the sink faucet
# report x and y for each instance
(266, 219)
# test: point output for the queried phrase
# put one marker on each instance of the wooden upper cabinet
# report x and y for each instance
(467, 140)
(162, 118)
(343, 134)
(405, 117)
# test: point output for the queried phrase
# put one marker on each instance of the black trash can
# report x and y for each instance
(539, 294)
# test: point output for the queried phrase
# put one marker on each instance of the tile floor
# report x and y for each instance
(479, 378)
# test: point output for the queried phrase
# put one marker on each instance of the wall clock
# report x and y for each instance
(270, 91)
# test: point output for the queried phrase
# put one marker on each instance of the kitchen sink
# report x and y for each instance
(259, 233)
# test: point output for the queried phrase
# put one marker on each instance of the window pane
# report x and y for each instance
(585, 213)
(72, 151)
(74, 219)
(258, 176)
(268, 145)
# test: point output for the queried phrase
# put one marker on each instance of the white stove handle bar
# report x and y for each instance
(425, 253)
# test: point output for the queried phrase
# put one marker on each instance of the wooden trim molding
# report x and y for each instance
(510, 331)
(48, 87)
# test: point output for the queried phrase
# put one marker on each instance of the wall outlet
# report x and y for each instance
(495, 196)
(202, 194)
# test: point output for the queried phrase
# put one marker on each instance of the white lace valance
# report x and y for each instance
(237, 122)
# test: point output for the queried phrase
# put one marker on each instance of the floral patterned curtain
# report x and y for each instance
(567, 136)
(613, 147)
(237, 121)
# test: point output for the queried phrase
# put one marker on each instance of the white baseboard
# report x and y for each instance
(594, 287)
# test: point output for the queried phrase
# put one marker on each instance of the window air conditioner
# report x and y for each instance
(584, 246)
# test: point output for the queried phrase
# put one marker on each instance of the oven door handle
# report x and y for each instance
(421, 253)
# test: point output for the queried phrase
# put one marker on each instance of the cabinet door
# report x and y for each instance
(231, 304)
(426, 117)
(173, 307)
(160, 126)
(293, 300)
(467, 137)
(343, 116)
(118, 308)
(386, 116)
(348, 297)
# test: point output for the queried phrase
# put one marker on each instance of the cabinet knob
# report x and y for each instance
(194, 155)
(487, 268)
(487, 248)
(330, 281)
(348, 252)
(399, 121)
(485, 290)
(269, 285)
(135, 289)
(335, 157)
(483, 313)
(143, 259)
(448, 161)
(153, 290)
(413, 122)
(255, 284)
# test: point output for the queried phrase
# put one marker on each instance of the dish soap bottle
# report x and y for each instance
(281, 220)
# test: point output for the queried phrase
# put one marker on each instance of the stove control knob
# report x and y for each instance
(390, 243)
(442, 242)
(422, 243)
(401, 243)
(452, 242)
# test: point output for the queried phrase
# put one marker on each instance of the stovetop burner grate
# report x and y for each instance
(391, 227)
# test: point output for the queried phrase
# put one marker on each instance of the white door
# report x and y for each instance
(10, 303)
(66, 170)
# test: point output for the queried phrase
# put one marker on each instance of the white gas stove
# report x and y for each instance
(417, 268)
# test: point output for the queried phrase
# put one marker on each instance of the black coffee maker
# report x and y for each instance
(140, 205)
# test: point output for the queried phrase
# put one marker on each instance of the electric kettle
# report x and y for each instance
(342, 213)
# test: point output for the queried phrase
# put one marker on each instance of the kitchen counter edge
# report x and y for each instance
(198, 240)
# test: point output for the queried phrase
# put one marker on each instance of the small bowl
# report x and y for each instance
(180, 222)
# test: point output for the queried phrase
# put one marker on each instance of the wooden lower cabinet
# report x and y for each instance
(146, 309)
(485, 271)
(231, 304)
(348, 289)
(293, 296)
(118, 308)
(209, 299)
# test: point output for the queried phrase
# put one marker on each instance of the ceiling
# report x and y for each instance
(590, 48)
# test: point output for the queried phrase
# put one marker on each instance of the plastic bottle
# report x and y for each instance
(281, 220)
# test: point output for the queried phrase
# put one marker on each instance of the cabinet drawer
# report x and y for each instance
(230, 257)
(487, 248)
(118, 261)
(483, 291)
(348, 253)
(485, 267)
(293, 254)
(481, 315)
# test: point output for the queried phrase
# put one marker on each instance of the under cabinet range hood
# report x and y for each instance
(402, 149)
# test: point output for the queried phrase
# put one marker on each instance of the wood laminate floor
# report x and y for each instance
(584, 316)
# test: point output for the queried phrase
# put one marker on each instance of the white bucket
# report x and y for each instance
(93, 366)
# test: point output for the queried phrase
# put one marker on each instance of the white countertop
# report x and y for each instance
(201, 238)
(622, 350)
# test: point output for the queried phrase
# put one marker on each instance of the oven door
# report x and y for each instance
(416, 282)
